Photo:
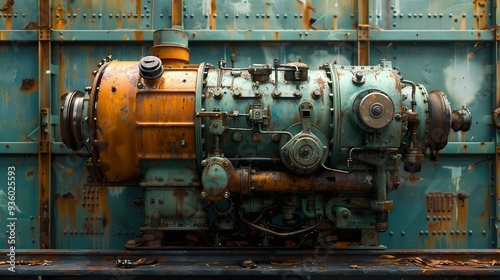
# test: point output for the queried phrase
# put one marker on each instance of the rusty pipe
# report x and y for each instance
(177, 20)
(272, 181)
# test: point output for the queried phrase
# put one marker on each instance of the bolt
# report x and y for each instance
(377, 110)
(113, 88)
(359, 76)
(226, 195)
(204, 194)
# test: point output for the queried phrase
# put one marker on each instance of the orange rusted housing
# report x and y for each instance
(155, 119)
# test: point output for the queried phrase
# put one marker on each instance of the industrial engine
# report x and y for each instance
(272, 155)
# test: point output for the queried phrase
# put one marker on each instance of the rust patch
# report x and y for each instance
(213, 14)
(67, 208)
(266, 13)
(276, 35)
(7, 97)
(58, 14)
(447, 215)
(7, 9)
(69, 172)
(413, 177)
(138, 35)
(29, 85)
(180, 195)
(335, 22)
(463, 24)
(95, 202)
(306, 6)
(480, 13)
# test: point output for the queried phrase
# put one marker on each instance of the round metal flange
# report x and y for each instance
(376, 110)
(304, 152)
(440, 118)
(72, 120)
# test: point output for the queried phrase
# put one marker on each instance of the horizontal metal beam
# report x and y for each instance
(18, 35)
(18, 147)
(279, 35)
(255, 35)
(277, 264)
(469, 148)
(432, 35)
(209, 35)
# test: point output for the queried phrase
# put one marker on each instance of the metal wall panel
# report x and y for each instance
(447, 45)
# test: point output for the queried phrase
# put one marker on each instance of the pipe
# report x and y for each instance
(177, 20)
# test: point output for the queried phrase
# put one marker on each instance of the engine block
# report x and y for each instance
(269, 155)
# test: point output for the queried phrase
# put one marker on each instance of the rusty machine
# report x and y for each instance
(270, 155)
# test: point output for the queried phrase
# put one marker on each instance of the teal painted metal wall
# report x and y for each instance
(447, 45)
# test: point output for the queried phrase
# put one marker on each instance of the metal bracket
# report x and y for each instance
(44, 34)
(216, 122)
(259, 113)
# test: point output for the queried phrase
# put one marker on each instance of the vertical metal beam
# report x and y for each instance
(363, 33)
(44, 148)
(495, 216)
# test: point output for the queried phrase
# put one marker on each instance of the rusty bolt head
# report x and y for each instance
(359, 75)
(217, 94)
